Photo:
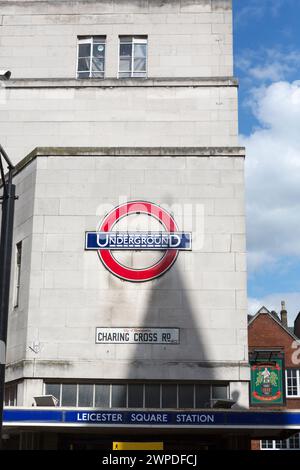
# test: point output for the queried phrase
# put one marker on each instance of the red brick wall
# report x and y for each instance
(255, 445)
(264, 332)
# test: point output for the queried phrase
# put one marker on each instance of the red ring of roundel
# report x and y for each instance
(145, 274)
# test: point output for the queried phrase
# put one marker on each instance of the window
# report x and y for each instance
(293, 443)
(137, 395)
(203, 396)
(91, 57)
(102, 394)
(55, 390)
(152, 396)
(69, 395)
(219, 392)
(85, 395)
(18, 273)
(186, 396)
(10, 395)
(293, 382)
(133, 57)
(169, 396)
(119, 396)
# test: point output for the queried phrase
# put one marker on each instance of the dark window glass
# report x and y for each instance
(186, 396)
(135, 395)
(219, 391)
(152, 396)
(83, 64)
(294, 442)
(68, 395)
(102, 395)
(53, 389)
(91, 57)
(83, 74)
(267, 444)
(85, 395)
(169, 396)
(280, 444)
(125, 50)
(84, 50)
(202, 396)
(119, 396)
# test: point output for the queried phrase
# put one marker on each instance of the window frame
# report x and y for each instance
(297, 382)
(10, 394)
(18, 267)
(277, 444)
(91, 41)
(135, 40)
(126, 384)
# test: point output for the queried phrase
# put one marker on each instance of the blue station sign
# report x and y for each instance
(138, 241)
(201, 419)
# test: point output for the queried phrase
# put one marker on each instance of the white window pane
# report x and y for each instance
(140, 65)
(84, 50)
(140, 50)
(125, 65)
(98, 65)
(83, 65)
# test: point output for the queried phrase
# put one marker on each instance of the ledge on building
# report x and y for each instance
(121, 83)
(129, 152)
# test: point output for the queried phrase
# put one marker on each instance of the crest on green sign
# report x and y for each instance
(266, 383)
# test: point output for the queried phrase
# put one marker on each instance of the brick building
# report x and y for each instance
(270, 338)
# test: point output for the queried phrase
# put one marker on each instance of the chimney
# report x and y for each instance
(283, 314)
(297, 326)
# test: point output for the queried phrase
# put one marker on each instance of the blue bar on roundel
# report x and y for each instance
(138, 241)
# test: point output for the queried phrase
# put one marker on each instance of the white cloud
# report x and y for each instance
(256, 9)
(273, 175)
(268, 64)
(273, 302)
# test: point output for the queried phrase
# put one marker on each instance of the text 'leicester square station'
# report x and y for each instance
(128, 303)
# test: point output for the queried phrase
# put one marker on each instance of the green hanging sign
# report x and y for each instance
(267, 383)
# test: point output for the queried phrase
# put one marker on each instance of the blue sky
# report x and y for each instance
(267, 63)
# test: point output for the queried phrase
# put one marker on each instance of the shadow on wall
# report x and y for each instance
(169, 304)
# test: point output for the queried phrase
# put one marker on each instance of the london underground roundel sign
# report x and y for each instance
(169, 241)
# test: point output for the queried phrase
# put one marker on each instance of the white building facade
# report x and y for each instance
(115, 104)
